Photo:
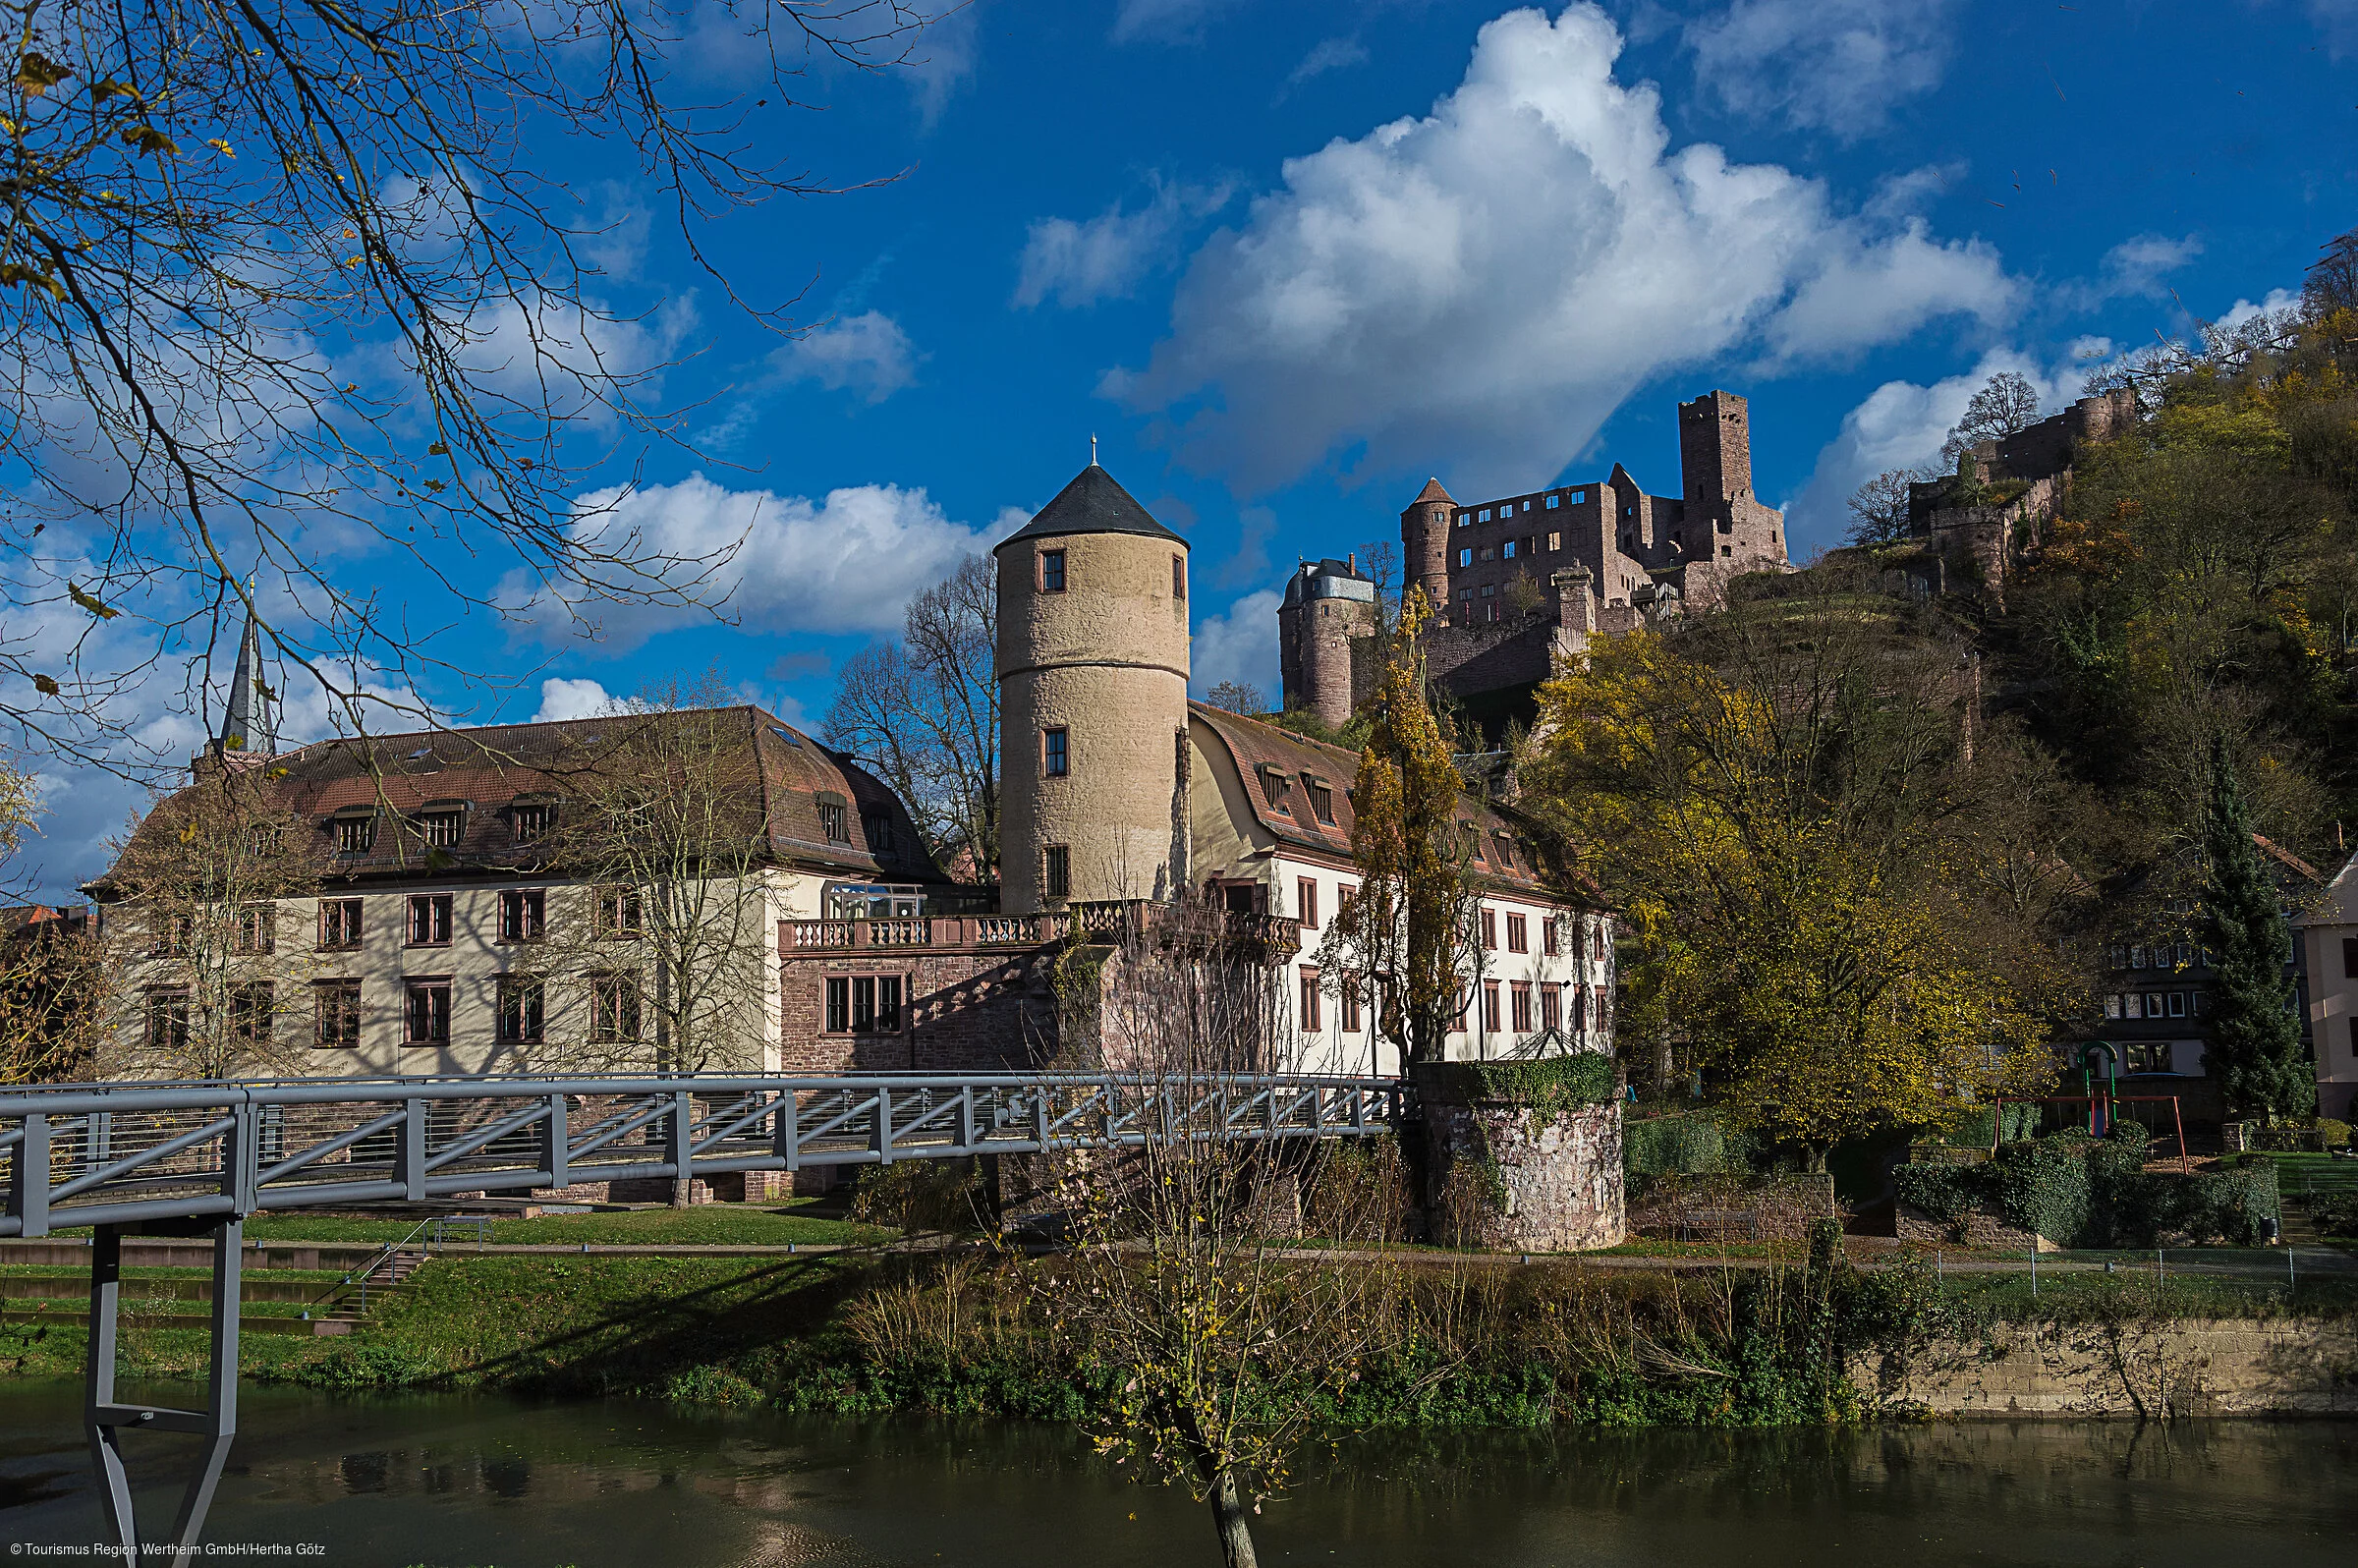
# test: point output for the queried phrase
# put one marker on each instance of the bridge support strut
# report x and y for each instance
(105, 1420)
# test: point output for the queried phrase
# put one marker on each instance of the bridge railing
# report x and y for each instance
(123, 1153)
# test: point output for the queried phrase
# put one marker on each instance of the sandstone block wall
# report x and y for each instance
(2136, 1369)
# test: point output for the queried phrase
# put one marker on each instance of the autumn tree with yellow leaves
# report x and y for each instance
(1411, 932)
(1778, 800)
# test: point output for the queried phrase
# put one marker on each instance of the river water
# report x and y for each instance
(454, 1479)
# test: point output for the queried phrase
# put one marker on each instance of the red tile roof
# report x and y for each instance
(1256, 746)
(490, 769)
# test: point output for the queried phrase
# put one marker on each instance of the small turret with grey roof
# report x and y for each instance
(1326, 631)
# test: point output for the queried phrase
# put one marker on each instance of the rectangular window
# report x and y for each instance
(1507, 550)
(354, 835)
(863, 1002)
(1055, 753)
(257, 928)
(888, 1004)
(167, 1021)
(429, 920)
(1347, 1004)
(1517, 941)
(1490, 1007)
(1310, 1000)
(876, 827)
(2349, 958)
(1552, 1006)
(428, 1013)
(1274, 787)
(619, 914)
(2116, 957)
(251, 1006)
(1519, 999)
(865, 1005)
(613, 1009)
(1484, 516)
(1504, 851)
(1051, 571)
(1305, 900)
(1179, 579)
(1459, 1025)
(1057, 871)
(834, 823)
(2152, 1004)
(2137, 957)
(1465, 557)
(1549, 940)
(1554, 502)
(2132, 1004)
(1346, 894)
(839, 1005)
(2178, 1004)
(2112, 1005)
(522, 915)
(522, 1009)
(1489, 931)
(443, 829)
(1555, 542)
(1321, 801)
(339, 923)
(336, 1014)
(534, 822)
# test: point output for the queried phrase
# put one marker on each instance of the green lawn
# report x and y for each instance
(706, 1225)
(2299, 1175)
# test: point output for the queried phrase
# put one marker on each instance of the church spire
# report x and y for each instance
(249, 695)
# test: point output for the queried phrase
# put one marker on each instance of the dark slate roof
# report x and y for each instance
(1093, 503)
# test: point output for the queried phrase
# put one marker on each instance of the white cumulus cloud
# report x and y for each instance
(1107, 256)
(1479, 289)
(1827, 65)
(867, 354)
(1240, 646)
(562, 698)
(847, 562)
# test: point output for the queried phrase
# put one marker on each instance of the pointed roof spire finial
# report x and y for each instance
(238, 730)
(1093, 449)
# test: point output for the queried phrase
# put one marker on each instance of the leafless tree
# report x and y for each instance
(50, 986)
(1222, 1350)
(1878, 508)
(1238, 696)
(924, 714)
(203, 958)
(285, 282)
(2006, 403)
(660, 952)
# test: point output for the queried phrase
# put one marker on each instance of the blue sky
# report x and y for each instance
(1286, 259)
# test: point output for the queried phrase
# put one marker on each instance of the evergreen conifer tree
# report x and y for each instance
(2255, 1050)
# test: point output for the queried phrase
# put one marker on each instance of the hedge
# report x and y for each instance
(1975, 1127)
(1688, 1143)
(1547, 1084)
(2084, 1192)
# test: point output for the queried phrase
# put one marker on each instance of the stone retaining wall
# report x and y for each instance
(2147, 1371)
(1977, 1228)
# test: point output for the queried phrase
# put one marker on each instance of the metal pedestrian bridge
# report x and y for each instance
(194, 1159)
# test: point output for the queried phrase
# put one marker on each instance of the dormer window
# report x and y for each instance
(1274, 787)
(1321, 798)
(535, 821)
(876, 828)
(834, 819)
(355, 830)
(1504, 851)
(442, 826)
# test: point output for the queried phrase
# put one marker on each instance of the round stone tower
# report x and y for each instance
(1092, 703)
(1425, 544)
(1325, 625)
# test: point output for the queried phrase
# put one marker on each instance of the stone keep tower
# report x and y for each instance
(1425, 544)
(1325, 627)
(1092, 673)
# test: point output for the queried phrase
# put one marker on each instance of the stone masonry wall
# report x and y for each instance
(1557, 1176)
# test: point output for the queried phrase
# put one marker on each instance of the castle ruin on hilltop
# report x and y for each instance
(1524, 580)
(2003, 492)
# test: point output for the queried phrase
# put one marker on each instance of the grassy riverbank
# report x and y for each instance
(1470, 1341)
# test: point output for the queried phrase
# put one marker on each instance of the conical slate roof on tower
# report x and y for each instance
(1093, 503)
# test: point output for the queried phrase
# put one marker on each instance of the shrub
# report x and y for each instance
(1549, 1084)
(918, 1194)
(1691, 1143)
(2335, 1213)
(2084, 1192)
(1359, 1192)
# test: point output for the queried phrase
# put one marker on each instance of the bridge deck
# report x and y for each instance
(133, 1152)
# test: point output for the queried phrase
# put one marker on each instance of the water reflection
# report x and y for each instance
(453, 1480)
